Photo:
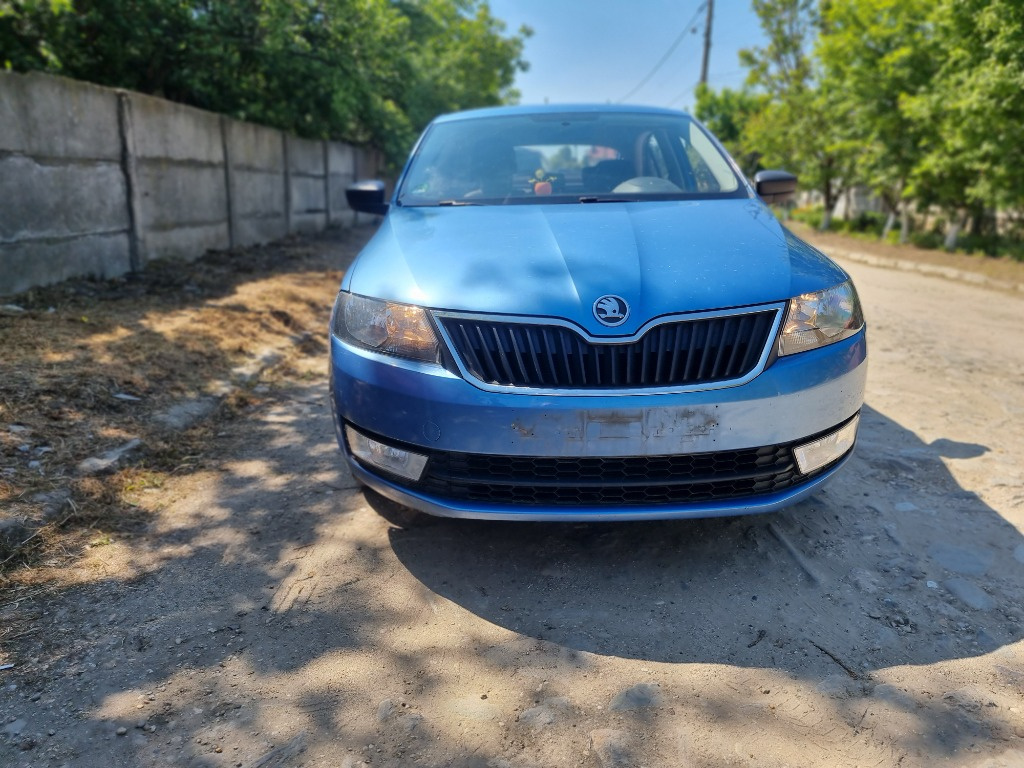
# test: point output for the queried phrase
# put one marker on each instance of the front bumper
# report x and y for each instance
(425, 406)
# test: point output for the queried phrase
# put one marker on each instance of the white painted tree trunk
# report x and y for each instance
(953, 233)
(826, 219)
(890, 221)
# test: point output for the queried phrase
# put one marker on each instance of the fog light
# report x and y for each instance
(825, 450)
(394, 460)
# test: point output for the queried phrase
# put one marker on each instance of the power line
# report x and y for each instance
(671, 49)
(680, 95)
(693, 87)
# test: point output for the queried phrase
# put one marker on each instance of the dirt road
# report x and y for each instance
(273, 615)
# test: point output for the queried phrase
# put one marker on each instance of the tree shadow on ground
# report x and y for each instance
(892, 564)
(269, 611)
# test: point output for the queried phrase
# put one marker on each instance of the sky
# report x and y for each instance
(601, 50)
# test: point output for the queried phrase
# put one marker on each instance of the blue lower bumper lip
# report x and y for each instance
(744, 482)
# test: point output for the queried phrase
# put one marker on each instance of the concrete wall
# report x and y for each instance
(307, 169)
(63, 197)
(98, 182)
(341, 171)
(180, 179)
(256, 183)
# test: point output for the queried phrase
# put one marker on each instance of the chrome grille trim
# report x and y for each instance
(538, 355)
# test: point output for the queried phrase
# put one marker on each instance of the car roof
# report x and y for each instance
(555, 109)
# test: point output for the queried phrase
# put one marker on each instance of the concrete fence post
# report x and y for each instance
(287, 185)
(229, 184)
(136, 238)
(358, 173)
(327, 182)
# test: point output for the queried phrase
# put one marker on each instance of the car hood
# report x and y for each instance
(557, 260)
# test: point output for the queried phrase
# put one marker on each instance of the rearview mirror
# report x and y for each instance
(774, 186)
(367, 197)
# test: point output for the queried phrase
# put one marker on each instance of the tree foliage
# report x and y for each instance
(366, 71)
(976, 105)
(793, 129)
(921, 101)
(726, 114)
(23, 25)
(875, 61)
(782, 67)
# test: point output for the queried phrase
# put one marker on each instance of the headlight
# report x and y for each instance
(384, 326)
(818, 319)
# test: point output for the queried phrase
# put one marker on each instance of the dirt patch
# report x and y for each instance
(111, 387)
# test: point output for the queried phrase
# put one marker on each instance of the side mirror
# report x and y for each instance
(367, 197)
(774, 186)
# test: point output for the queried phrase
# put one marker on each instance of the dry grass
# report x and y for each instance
(219, 330)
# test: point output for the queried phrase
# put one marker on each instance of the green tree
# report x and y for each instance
(24, 29)
(783, 65)
(797, 128)
(726, 113)
(875, 57)
(366, 71)
(975, 151)
(459, 54)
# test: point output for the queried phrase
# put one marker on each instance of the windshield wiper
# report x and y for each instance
(404, 204)
(596, 199)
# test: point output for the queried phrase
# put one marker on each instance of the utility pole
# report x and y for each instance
(707, 43)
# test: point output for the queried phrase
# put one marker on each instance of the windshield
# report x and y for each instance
(567, 158)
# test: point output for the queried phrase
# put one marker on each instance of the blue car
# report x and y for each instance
(588, 313)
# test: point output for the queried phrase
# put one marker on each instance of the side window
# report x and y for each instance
(711, 171)
(703, 179)
(654, 159)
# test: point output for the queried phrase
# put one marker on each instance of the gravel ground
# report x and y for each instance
(266, 612)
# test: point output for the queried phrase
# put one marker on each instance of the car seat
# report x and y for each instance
(605, 175)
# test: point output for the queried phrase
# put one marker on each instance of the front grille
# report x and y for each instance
(610, 481)
(678, 353)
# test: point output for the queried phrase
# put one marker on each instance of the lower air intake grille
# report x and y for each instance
(610, 481)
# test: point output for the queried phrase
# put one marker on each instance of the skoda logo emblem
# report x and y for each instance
(611, 310)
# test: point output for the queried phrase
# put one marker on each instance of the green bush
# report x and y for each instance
(810, 215)
(983, 244)
(870, 224)
(1013, 250)
(932, 239)
(991, 245)
(866, 222)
